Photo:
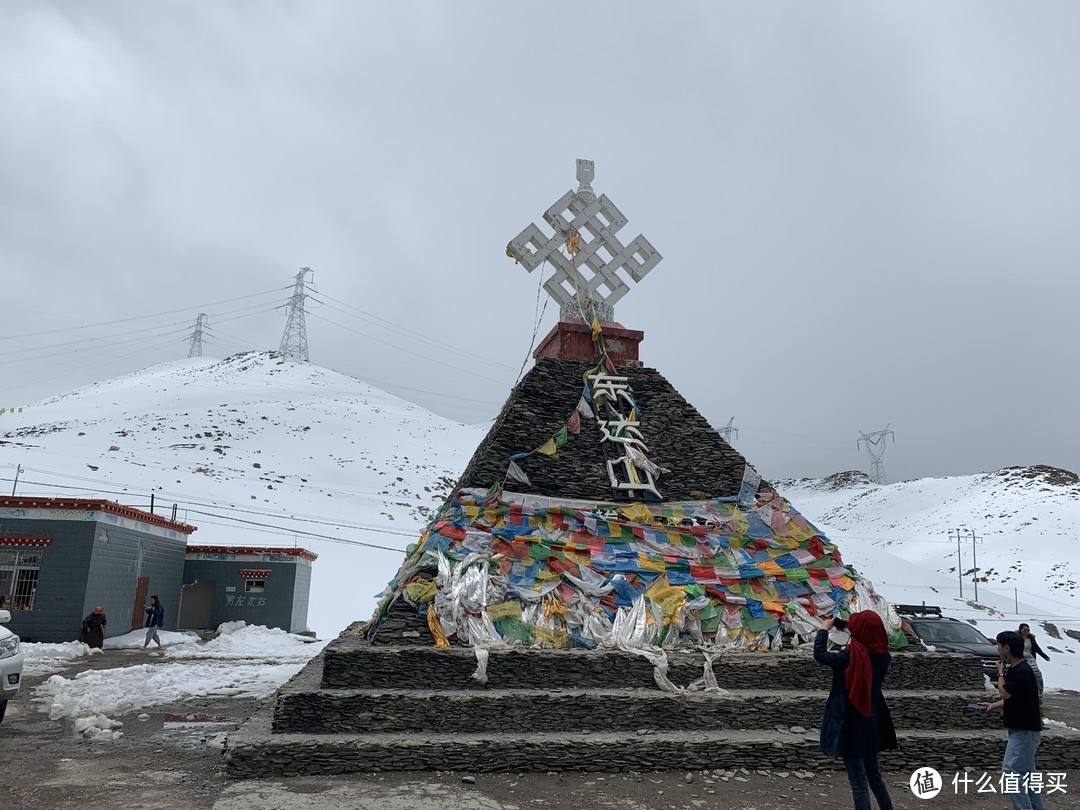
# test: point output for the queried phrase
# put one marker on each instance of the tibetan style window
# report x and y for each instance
(255, 586)
(18, 578)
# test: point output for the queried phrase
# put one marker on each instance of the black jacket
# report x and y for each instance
(95, 621)
(843, 730)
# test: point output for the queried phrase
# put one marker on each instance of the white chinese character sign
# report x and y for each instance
(585, 252)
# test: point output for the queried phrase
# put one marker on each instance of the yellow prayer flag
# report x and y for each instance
(637, 512)
(436, 629)
(556, 638)
(421, 591)
(649, 564)
(503, 610)
(548, 448)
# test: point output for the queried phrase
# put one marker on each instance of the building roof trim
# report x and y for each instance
(95, 505)
(302, 553)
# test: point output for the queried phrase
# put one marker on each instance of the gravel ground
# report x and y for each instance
(172, 760)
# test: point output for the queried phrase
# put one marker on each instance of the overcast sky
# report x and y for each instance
(868, 212)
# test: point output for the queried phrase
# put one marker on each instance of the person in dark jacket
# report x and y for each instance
(857, 723)
(155, 618)
(93, 628)
(1032, 649)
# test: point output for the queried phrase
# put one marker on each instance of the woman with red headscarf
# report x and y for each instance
(857, 723)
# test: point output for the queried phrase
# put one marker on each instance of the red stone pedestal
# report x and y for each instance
(573, 341)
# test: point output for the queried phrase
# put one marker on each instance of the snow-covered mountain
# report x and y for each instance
(294, 449)
(311, 457)
(1025, 520)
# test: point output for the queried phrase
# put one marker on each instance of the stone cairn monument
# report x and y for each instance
(609, 586)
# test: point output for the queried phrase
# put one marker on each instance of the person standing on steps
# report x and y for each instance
(155, 618)
(1018, 701)
(857, 724)
(93, 628)
(1031, 649)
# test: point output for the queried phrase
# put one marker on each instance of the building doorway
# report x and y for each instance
(196, 605)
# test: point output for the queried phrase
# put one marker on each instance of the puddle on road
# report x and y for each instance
(194, 730)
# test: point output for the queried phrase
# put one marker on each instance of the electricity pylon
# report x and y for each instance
(874, 444)
(294, 341)
(195, 349)
(728, 429)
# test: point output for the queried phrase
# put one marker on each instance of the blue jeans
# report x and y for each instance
(1020, 759)
(864, 775)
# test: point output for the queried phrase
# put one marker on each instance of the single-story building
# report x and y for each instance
(61, 557)
(268, 586)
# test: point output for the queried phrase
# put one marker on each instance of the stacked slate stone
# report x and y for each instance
(699, 464)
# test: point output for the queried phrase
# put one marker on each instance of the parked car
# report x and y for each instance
(11, 663)
(925, 624)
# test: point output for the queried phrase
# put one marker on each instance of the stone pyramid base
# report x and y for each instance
(363, 707)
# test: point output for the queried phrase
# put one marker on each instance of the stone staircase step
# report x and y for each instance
(351, 662)
(331, 711)
(255, 752)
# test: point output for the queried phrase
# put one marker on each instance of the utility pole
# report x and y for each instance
(974, 560)
(874, 444)
(294, 341)
(959, 561)
(975, 564)
(728, 429)
(195, 349)
(15, 483)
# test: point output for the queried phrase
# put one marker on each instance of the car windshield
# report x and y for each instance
(946, 632)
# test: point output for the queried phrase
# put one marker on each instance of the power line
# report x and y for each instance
(390, 326)
(141, 317)
(471, 371)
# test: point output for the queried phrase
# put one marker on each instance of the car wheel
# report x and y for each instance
(3, 709)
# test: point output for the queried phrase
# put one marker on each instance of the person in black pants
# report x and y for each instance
(1032, 649)
(857, 723)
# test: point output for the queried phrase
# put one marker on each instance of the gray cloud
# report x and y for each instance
(867, 213)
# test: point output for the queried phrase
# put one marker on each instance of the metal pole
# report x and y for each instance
(975, 562)
(959, 562)
(151, 503)
(1016, 600)
(15, 483)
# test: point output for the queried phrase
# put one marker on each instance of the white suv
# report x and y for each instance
(11, 663)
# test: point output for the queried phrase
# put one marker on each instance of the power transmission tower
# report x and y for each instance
(728, 429)
(294, 341)
(197, 336)
(874, 444)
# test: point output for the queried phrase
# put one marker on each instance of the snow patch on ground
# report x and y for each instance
(237, 641)
(136, 638)
(41, 659)
(253, 662)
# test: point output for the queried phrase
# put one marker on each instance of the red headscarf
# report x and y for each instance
(867, 636)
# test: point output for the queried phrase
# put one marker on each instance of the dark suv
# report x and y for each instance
(924, 623)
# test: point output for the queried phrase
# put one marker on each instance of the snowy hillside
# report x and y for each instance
(1025, 521)
(293, 449)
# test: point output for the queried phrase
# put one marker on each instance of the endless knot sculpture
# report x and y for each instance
(587, 274)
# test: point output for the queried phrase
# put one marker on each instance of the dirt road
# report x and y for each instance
(169, 759)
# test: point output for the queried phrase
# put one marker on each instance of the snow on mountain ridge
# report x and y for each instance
(299, 448)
